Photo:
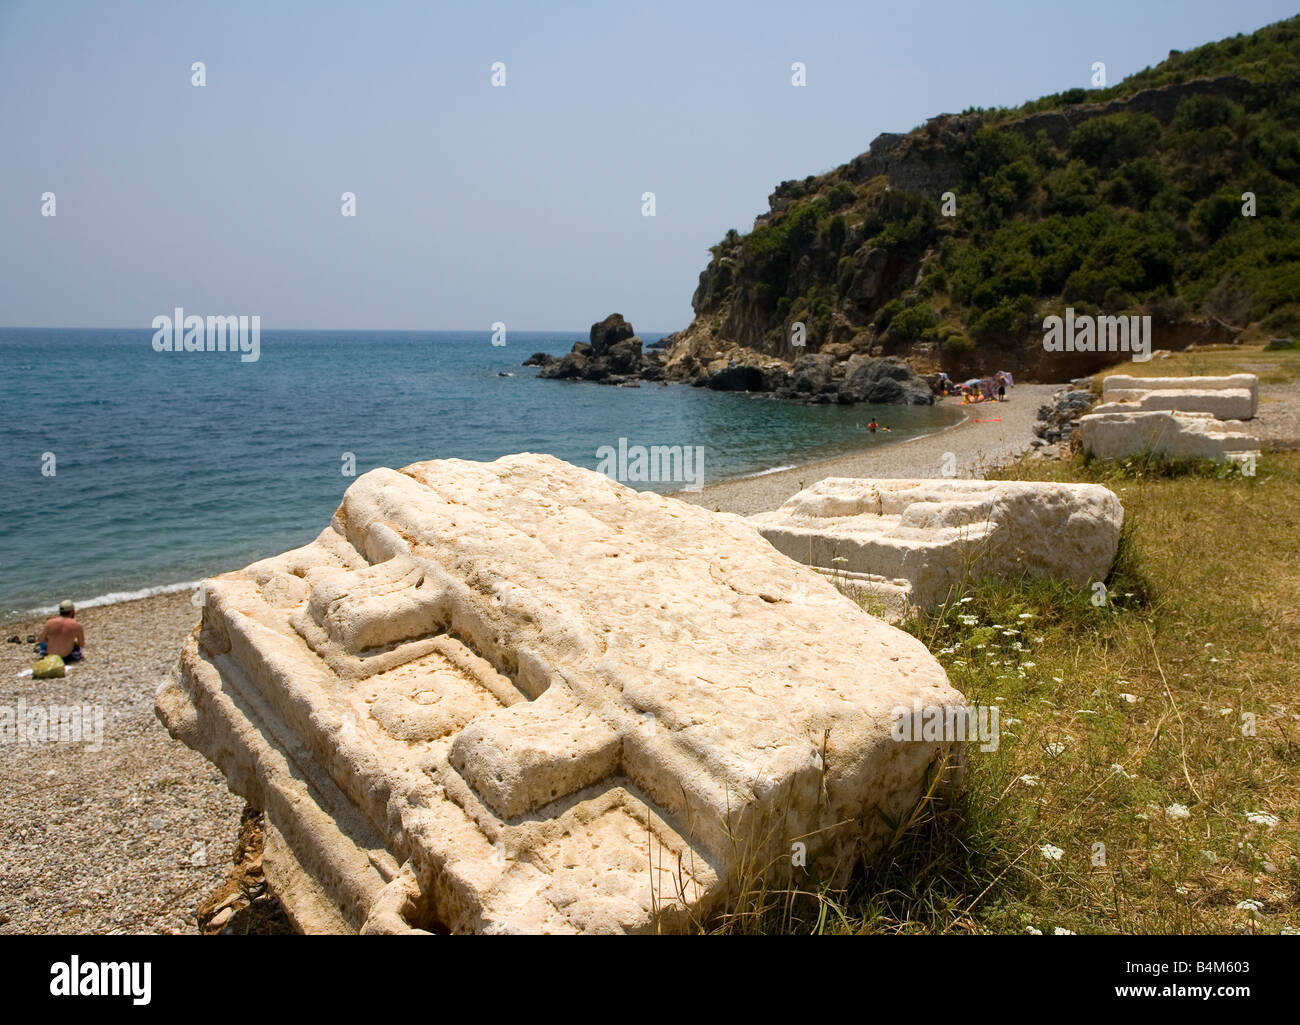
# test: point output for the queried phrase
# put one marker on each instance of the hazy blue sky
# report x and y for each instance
(474, 204)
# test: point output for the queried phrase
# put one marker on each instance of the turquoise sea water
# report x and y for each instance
(172, 466)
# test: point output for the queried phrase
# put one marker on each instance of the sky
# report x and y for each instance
(475, 204)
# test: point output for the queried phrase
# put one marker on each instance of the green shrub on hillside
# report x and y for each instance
(1122, 211)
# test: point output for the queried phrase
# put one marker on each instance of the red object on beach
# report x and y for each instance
(995, 420)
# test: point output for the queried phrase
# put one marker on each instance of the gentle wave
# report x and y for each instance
(764, 473)
(151, 496)
(117, 597)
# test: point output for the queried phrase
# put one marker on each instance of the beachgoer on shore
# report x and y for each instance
(62, 635)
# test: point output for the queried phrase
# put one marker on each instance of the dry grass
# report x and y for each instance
(1280, 366)
(1126, 725)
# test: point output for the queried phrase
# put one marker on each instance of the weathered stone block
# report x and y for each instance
(1169, 434)
(912, 541)
(1223, 404)
(519, 697)
(1119, 387)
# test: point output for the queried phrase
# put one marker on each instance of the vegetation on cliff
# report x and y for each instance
(959, 237)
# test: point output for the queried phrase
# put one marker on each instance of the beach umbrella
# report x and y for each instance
(973, 382)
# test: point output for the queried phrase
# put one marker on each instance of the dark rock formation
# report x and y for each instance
(887, 380)
(838, 374)
(1059, 419)
(612, 355)
(812, 376)
(609, 332)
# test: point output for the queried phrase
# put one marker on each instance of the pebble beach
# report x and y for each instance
(129, 837)
(992, 434)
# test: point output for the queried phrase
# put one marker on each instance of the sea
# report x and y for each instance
(126, 472)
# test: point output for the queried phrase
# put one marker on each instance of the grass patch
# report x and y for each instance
(1148, 465)
(1148, 775)
(1276, 366)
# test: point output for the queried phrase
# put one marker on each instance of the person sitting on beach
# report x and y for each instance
(62, 635)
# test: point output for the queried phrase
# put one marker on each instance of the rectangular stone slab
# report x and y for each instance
(1170, 434)
(1222, 403)
(1127, 383)
(913, 541)
(519, 697)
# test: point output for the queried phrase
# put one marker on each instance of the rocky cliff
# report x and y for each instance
(946, 246)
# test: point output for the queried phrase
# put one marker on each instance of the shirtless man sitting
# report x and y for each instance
(62, 635)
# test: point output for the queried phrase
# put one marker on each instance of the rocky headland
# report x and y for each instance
(614, 354)
(945, 248)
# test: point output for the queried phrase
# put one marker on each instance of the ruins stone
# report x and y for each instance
(1170, 434)
(1223, 403)
(1121, 387)
(911, 541)
(519, 697)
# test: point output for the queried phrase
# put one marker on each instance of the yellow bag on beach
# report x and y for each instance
(51, 667)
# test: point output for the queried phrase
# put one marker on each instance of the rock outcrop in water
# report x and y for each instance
(614, 355)
(519, 697)
(611, 355)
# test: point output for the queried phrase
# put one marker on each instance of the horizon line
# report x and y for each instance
(392, 330)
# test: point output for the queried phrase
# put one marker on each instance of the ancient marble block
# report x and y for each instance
(519, 697)
(1120, 387)
(1170, 434)
(913, 541)
(1223, 403)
